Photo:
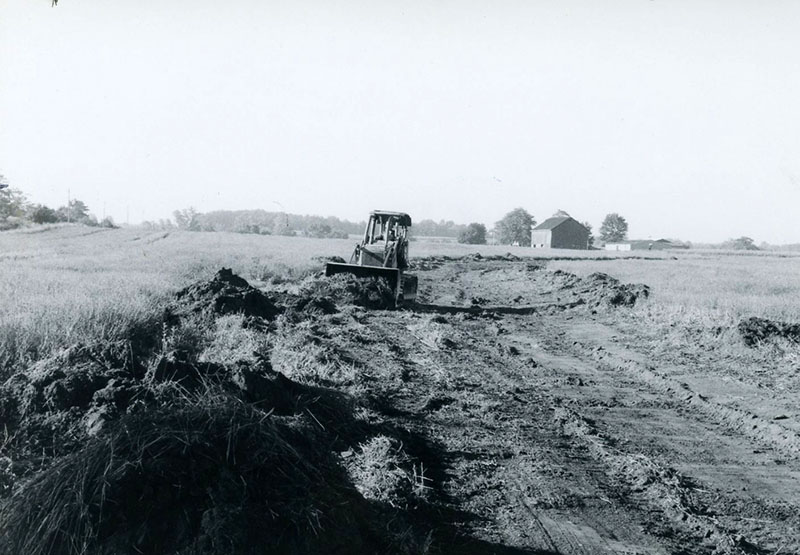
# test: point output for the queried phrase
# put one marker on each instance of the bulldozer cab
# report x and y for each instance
(386, 227)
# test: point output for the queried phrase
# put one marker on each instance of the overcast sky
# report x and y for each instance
(683, 116)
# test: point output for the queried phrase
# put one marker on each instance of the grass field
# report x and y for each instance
(504, 371)
(66, 284)
(723, 282)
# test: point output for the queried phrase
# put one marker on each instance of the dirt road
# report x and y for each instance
(511, 410)
(552, 429)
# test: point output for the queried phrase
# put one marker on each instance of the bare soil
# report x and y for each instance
(511, 410)
(556, 430)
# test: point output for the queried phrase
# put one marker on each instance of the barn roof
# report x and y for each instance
(551, 223)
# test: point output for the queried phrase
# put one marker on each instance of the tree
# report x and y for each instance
(75, 211)
(741, 244)
(12, 203)
(429, 228)
(108, 222)
(515, 228)
(588, 226)
(614, 228)
(318, 230)
(473, 234)
(41, 214)
(187, 219)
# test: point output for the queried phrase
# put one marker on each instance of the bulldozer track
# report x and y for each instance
(564, 441)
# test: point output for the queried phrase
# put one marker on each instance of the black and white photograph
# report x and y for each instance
(400, 277)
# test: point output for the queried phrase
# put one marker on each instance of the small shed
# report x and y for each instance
(560, 232)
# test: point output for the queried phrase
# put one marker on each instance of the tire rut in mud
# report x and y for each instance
(737, 451)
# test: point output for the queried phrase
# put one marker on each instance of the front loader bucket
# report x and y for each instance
(403, 286)
(391, 275)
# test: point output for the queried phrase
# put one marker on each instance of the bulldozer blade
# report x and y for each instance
(391, 275)
(403, 286)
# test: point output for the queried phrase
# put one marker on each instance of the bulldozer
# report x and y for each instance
(383, 253)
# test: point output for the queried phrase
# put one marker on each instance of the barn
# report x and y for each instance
(560, 232)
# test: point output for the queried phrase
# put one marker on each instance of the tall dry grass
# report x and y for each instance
(66, 284)
(698, 300)
(715, 285)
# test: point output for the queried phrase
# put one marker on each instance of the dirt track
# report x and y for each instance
(553, 431)
(511, 410)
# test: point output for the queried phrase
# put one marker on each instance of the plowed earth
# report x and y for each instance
(510, 410)
(556, 432)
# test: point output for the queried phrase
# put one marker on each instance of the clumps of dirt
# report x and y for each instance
(326, 259)
(437, 402)
(304, 352)
(200, 447)
(368, 292)
(754, 330)
(42, 408)
(435, 335)
(662, 487)
(225, 293)
(434, 262)
(214, 476)
(382, 471)
(599, 289)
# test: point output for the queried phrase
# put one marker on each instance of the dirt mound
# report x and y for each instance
(369, 292)
(55, 406)
(43, 407)
(192, 457)
(326, 259)
(214, 477)
(434, 262)
(756, 330)
(225, 293)
(599, 289)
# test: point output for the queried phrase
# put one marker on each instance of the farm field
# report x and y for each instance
(525, 404)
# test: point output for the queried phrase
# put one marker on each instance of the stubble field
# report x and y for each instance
(524, 404)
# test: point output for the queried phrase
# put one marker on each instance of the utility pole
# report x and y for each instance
(69, 207)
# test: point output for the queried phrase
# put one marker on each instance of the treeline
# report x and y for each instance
(16, 211)
(430, 228)
(260, 222)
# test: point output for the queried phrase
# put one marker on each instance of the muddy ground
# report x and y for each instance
(561, 432)
(511, 410)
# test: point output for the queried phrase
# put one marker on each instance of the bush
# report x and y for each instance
(43, 215)
(473, 234)
(741, 244)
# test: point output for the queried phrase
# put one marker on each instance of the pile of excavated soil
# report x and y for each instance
(434, 262)
(601, 289)
(226, 293)
(216, 476)
(756, 330)
(105, 454)
(368, 292)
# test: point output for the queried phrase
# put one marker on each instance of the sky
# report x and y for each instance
(682, 115)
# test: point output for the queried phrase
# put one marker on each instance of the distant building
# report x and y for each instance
(561, 232)
(645, 245)
(657, 245)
